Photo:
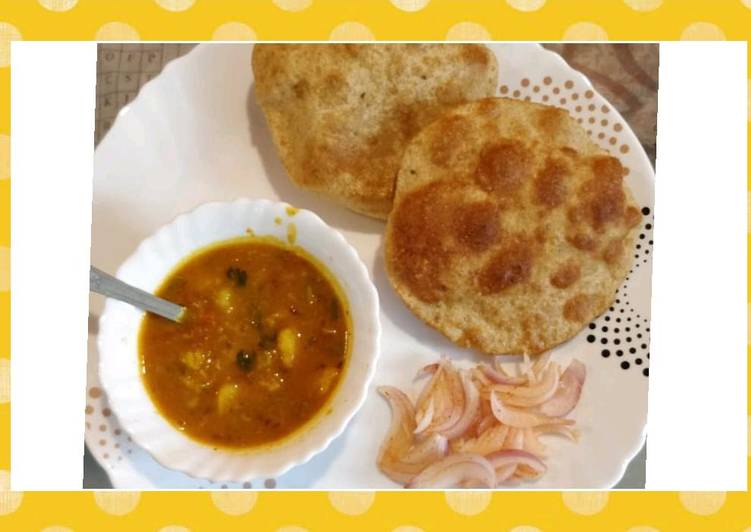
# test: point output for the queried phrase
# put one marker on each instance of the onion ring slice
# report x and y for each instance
(468, 470)
(521, 418)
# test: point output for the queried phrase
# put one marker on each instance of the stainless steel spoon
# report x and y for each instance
(107, 285)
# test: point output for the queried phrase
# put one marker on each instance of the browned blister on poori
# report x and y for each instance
(341, 114)
(514, 235)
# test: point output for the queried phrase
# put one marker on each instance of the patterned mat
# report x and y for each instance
(626, 74)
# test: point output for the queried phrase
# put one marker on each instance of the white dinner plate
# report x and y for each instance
(195, 134)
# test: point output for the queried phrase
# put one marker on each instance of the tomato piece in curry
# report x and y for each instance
(261, 348)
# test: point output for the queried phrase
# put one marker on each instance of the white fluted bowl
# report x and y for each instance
(149, 266)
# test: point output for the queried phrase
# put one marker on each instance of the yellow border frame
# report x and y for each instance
(354, 19)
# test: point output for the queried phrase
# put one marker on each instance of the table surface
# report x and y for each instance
(626, 74)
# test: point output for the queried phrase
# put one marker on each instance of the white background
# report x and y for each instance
(697, 428)
(52, 157)
(697, 434)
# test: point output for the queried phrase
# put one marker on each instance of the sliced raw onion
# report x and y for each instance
(468, 470)
(426, 452)
(471, 408)
(480, 378)
(499, 377)
(514, 439)
(532, 444)
(569, 389)
(532, 395)
(527, 369)
(434, 399)
(541, 363)
(524, 471)
(424, 418)
(430, 369)
(399, 437)
(562, 430)
(437, 374)
(516, 457)
(479, 427)
(449, 396)
(489, 441)
(403, 413)
(485, 423)
(498, 364)
(577, 369)
(504, 473)
(515, 417)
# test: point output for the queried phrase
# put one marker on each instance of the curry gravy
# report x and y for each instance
(262, 347)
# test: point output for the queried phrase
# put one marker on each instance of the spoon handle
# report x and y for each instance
(107, 285)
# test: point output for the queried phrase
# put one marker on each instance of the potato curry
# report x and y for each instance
(260, 350)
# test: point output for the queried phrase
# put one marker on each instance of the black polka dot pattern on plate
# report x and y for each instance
(644, 241)
(622, 333)
(630, 352)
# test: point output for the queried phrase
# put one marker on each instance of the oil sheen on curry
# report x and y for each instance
(260, 351)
